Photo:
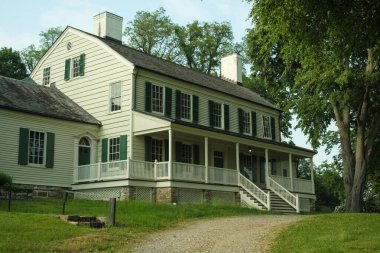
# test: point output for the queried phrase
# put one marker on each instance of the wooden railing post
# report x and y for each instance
(170, 164)
(267, 167)
(99, 166)
(312, 175)
(297, 203)
(128, 166)
(206, 160)
(291, 171)
(238, 161)
(155, 170)
(268, 200)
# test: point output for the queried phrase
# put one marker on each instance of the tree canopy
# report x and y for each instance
(323, 57)
(197, 45)
(11, 64)
(32, 54)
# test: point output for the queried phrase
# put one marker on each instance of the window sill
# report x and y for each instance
(113, 112)
(40, 166)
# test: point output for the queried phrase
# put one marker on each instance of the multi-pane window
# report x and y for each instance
(36, 147)
(246, 121)
(218, 159)
(157, 98)
(187, 153)
(76, 62)
(185, 106)
(114, 149)
(46, 76)
(157, 150)
(115, 97)
(267, 127)
(218, 115)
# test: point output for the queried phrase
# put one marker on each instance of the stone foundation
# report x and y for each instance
(166, 195)
(128, 193)
(22, 191)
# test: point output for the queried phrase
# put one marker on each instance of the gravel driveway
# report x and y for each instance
(232, 234)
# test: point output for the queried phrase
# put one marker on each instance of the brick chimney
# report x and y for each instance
(108, 25)
(231, 69)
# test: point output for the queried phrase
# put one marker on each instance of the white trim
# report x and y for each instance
(38, 165)
(110, 97)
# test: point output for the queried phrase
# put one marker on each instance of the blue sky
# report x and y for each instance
(22, 20)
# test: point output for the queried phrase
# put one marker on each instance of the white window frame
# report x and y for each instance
(267, 131)
(157, 145)
(112, 97)
(114, 149)
(162, 100)
(75, 66)
(247, 122)
(190, 99)
(44, 149)
(46, 76)
(221, 115)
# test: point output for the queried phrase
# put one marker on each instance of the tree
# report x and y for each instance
(325, 56)
(32, 54)
(203, 44)
(153, 33)
(11, 64)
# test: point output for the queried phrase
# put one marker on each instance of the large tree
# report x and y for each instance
(325, 56)
(203, 44)
(32, 54)
(11, 64)
(153, 33)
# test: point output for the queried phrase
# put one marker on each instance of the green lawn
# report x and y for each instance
(332, 233)
(32, 225)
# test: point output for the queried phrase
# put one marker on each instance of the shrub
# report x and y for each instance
(5, 180)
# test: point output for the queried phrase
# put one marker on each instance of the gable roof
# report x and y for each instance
(26, 97)
(170, 69)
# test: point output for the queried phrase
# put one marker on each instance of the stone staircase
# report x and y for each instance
(279, 205)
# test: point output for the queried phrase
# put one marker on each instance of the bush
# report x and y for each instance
(5, 180)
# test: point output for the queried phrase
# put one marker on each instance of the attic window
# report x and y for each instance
(46, 76)
(68, 45)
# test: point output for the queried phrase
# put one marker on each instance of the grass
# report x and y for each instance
(32, 225)
(336, 233)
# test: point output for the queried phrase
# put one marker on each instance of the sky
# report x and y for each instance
(23, 20)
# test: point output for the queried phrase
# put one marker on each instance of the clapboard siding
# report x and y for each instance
(204, 96)
(92, 90)
(65, 133)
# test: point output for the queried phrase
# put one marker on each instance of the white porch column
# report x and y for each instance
(170, 133)
(291, 171)
(266, 167)
(206, 159)
(238, 162)
(312, 175)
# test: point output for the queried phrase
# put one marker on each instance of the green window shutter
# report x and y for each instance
(226, 117)
(211, 113)
(148, 148)
(273, 128)
(82, 58)
(104, 150)
(50, 150)
(148, 97)
(168, 102)
(123, 147)
(254, 124)
(178, 151)
(195, 109)
(166, 148)
(240, 117)
(67, 69)
(196, 154)
(23, 146)
(178, 104)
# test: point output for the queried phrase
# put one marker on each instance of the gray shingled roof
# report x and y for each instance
(37, 99)
(167, 68)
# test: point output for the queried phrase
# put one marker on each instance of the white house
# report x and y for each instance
(160, 131)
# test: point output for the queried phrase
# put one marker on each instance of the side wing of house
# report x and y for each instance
(96, 78)
(37, 150)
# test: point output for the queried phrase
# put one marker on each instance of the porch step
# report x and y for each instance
(279, 205)
(251, 201)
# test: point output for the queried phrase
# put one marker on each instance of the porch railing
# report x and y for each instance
(133, 169)
(299, 185)
(255, 191)
(290, 198)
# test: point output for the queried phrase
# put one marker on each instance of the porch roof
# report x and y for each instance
(220, 131)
